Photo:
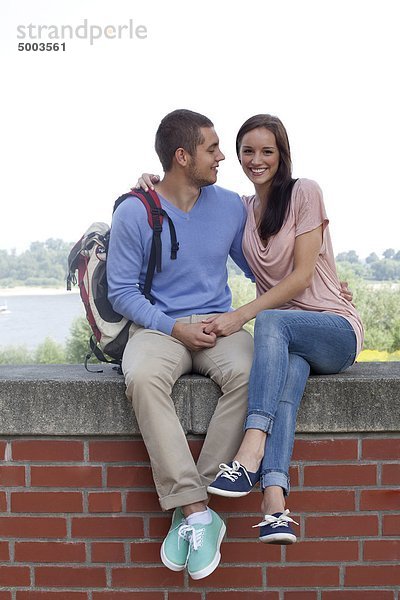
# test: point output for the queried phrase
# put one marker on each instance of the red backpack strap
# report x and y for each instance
(152, 204)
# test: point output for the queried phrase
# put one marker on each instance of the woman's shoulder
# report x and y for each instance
(306, 186)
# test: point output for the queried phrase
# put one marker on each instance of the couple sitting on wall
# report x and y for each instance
(305, 321)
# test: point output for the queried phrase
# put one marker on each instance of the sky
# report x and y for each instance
(78, 125)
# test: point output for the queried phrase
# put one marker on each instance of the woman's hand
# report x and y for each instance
(146, 181)
(224, 324)
(346, 292)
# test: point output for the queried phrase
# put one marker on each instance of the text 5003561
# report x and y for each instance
(41, 47)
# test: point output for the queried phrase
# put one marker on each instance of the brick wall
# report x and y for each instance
(80, 521)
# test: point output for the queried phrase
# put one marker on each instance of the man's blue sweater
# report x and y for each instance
(197, 281)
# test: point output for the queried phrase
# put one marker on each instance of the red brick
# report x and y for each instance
(391, 474)
(243, 577)
(142, 577)
(381, 448)
(184, 596)
(357, 595)
(5, 595)
(297, 595)
(159, 526)
(342, 526)
(325, 449)
(63, 476)
(118, 451)
(250, 552)
(322, 501)
(324, 551)
(49, 552)
(242, 527)
(3, 446)
(142, 502)
(104, 502)
(391, 524)
(47, 450)
(294, 475)
(12, 476)
(107, 527)
(44, 595)
(3, 502)
(108, 552)
(231, 595)
(32, 527)
(380, 500)
(339, 475)
(195, 448)
(303, 576)
(372, 575)
(145, 552)
(247, 504)
(70, 577)
(130, 476)
(46, 502)
(382, 550)
(4, 552)
(14, 576)
(128, 595)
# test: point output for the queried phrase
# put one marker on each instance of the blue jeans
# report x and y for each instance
(287, 345)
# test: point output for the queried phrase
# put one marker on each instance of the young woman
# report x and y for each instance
(304, 318)
(302, 323)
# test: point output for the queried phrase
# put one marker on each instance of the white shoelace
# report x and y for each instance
(233, 472)
(281, 521)
(193, 536)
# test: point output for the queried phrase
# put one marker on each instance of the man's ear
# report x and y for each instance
(181, 157)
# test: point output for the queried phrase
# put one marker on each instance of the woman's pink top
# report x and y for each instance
(272, 263)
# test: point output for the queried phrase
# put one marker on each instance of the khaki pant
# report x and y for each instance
(152, 363)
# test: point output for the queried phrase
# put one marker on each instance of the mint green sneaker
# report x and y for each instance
(175, 547)
(204, 543)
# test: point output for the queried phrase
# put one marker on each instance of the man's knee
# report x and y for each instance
(140, 375)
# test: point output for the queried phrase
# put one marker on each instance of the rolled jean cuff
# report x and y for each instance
(258, 420)
(275, 478)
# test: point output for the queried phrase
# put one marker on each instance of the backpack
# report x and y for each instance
(89, 257)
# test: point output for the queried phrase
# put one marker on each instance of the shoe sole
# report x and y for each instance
(226, 493)
(283, 539)
(215, 562)
(167, 563)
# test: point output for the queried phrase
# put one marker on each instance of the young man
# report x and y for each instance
(167, 338)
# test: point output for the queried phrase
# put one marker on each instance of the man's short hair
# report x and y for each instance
(179, 129)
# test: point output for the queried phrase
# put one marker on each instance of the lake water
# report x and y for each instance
(33, 318)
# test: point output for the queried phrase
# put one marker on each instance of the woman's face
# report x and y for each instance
(259, 156)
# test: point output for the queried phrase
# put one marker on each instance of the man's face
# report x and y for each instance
(203, 166)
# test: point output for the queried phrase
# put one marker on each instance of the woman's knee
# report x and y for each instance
(270, 322)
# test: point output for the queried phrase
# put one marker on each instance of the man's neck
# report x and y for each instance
(178, 192)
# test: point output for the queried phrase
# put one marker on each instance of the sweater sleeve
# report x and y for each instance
(236, 252)
(125, 260)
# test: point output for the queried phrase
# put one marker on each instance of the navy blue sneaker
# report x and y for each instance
(275, 529)
(233, 480)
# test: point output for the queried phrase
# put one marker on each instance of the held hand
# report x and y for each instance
(193, 337)
(146, 181)
(346, 292)
(224, 324)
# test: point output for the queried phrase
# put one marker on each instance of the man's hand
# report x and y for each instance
(193, 337)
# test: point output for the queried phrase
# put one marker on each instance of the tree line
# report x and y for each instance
(45, 264)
